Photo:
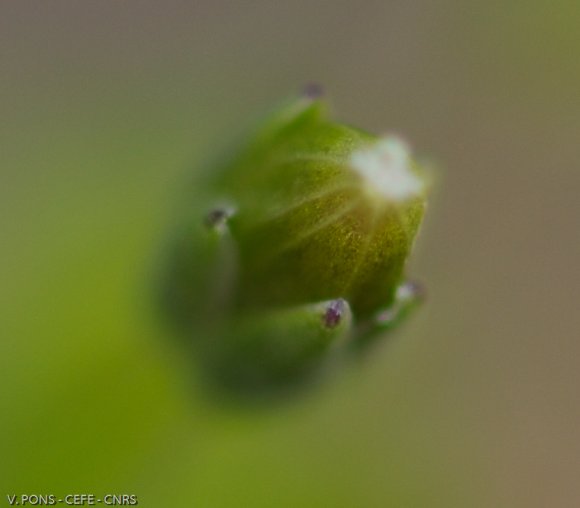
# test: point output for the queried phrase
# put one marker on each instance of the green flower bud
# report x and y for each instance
(299, 240)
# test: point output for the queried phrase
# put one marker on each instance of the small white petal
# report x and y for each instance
(385, 168)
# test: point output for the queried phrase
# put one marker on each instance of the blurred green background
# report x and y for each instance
(106, 110)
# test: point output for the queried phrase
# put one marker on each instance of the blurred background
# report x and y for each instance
(107, 109)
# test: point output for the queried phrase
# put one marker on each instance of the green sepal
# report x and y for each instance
(278, 346)
(201, 284)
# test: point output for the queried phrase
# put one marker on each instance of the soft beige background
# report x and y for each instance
(107, 107)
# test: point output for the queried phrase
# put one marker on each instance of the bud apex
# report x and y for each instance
(333, 313)
(216, 219)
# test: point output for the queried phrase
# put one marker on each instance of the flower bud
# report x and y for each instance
(307, 211)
